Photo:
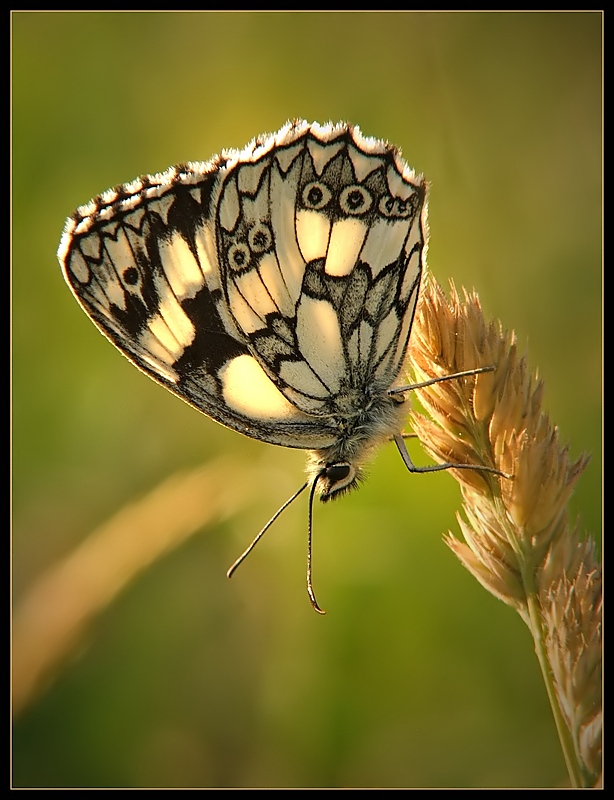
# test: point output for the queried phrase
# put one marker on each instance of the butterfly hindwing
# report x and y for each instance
(320, 246)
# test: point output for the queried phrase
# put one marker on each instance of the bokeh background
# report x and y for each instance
(416, 677)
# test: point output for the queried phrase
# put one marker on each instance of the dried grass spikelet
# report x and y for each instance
(517, 539)
(571, 611)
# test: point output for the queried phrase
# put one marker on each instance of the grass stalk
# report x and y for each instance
(517, 541)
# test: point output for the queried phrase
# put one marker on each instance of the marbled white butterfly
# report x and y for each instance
(272, 288)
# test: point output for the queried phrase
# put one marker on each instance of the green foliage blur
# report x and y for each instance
(416, 677)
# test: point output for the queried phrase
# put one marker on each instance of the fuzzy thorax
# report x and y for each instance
(340, 468)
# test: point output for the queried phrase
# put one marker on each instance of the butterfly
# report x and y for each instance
(272, 288)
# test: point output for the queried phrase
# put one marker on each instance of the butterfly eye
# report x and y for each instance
(336, 479)
(316, 195)
(238, 256)
(355, 200)
(338, 472)
(260, 239)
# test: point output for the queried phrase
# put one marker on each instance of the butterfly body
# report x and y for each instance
(272, 288)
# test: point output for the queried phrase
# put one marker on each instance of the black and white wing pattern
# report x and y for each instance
(272, 288)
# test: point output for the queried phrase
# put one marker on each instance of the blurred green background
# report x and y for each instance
(416, 677)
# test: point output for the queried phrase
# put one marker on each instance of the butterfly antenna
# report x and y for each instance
(310, 591)
(259, 536)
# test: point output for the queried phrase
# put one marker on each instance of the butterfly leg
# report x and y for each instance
(465, 374)
(400, 443)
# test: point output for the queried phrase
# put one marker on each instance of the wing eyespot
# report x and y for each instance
(316, 196)
(239, 256)
(398, 207)
(260, 238)
(355, 200)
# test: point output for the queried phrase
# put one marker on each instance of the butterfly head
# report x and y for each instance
(333, 480)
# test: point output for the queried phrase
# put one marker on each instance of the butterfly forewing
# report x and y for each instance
(272, 288)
